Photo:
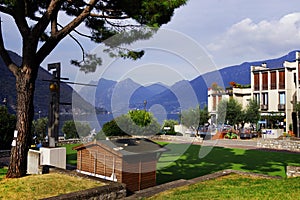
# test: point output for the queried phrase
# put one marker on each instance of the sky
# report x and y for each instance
(202, 36)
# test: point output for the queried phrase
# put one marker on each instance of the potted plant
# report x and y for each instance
(290, 132)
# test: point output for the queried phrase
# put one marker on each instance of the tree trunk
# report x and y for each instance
(25, 83)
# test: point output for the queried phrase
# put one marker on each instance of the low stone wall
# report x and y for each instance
(4, 153)
(68, 141)
(286, 144)
(292, 171)
(180, 139)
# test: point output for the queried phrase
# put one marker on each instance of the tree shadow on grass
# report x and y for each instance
(189, 165)
(72, 158)
(3, 172)
(268, 162)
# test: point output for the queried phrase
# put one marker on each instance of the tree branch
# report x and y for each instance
(43, 22)
(81, 47)
(20, 19)
(55, 38)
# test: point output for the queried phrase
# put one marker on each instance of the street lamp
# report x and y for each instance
(54, 87)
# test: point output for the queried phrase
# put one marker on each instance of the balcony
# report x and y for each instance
(264, 107)
(281, 106)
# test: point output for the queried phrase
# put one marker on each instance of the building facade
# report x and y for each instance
(215, 96)
(276, 90)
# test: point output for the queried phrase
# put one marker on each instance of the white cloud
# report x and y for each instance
(251, 40)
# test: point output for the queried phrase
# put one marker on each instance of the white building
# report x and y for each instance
(242, 95)
(276, 90)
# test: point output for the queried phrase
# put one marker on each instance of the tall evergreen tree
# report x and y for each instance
(38, 23)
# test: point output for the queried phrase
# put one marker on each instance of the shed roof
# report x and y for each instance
(126, 146)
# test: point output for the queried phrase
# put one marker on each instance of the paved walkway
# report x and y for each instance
(235, 143)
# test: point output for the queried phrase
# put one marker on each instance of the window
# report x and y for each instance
(265, 98)
(273, 81)
(256, 82)
(265, 81)
(281, 80)
(281, 98)
(257, 98)
(264, 105)
(281, 105)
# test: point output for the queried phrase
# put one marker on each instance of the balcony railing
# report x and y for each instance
(281, 106)
(264, 107)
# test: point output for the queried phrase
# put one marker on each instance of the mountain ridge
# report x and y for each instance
(42, 93)
(170, 97)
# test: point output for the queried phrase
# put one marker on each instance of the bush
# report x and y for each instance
(7, 127)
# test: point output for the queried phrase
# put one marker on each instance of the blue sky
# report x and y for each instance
(225, 32)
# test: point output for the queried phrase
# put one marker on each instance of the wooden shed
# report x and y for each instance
(127, 160)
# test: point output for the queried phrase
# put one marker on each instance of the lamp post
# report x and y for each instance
(54, 88)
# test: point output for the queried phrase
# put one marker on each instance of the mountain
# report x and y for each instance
(42, 93)
(119, 97)
(141, 96)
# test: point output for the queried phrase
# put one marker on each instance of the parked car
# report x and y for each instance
(246, 135)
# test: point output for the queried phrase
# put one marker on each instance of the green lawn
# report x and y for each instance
(189, 165)
(2, 173)
(71, 154)
(43, 186)
(236, 187)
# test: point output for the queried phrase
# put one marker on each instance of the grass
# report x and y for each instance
(183, 162)
(2, 172)
(189, 165)
(71, 154)
(236, 187)
(42, 186)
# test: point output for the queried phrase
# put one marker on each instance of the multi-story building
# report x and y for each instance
(215, 96)
(276, 90)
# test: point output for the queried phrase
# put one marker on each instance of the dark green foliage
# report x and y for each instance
(39, 128)
(112, 129)
(252, 113)
(170, 127)
(195, 117)
(7, 127)
(140, 117)
(73, 129)
(135, 122)
(230, 112)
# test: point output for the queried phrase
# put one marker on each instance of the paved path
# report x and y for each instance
(245, 144)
